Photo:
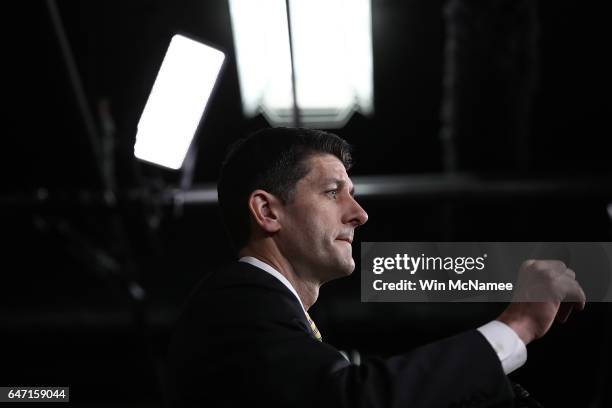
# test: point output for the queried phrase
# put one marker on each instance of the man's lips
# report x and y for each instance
(347, 239)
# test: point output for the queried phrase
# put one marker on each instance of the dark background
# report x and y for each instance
(91, 285)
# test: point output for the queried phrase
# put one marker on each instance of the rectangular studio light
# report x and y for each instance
(332, 50)
(177, 101)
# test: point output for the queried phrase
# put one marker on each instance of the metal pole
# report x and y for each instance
(297, 121)
(79, 92)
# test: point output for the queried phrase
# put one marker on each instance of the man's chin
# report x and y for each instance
(341, 270)
(347, 268)
(351, 268)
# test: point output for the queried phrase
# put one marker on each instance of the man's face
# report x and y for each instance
(319, 223)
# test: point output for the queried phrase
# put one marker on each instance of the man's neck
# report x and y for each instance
(307, 290)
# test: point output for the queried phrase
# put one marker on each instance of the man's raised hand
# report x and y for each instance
(546, 289)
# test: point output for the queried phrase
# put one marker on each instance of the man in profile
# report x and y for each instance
(245, 337)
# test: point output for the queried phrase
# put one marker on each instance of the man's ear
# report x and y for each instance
(265, 209)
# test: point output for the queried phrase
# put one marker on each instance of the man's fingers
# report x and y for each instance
(581, 297)
(564, 312)
(573, 299)
(574, 293)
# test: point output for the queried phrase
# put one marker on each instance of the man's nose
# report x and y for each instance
(356, 214)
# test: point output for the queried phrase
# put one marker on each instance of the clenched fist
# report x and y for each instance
(546, 289)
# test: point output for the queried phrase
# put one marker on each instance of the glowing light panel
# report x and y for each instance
(332, 48)
(177, 101)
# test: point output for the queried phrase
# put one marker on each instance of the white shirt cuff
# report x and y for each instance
(507, 344)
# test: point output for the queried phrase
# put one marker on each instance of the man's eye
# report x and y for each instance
(333, 194)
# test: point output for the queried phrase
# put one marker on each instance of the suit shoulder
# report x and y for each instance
(243, 283)
(242, 296)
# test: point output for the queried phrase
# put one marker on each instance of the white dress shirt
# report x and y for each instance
(509, 347)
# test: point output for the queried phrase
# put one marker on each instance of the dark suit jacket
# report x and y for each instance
(243, 340)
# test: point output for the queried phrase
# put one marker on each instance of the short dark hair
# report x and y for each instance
(273, 160)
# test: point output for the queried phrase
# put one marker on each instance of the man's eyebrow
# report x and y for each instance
(339, 182)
